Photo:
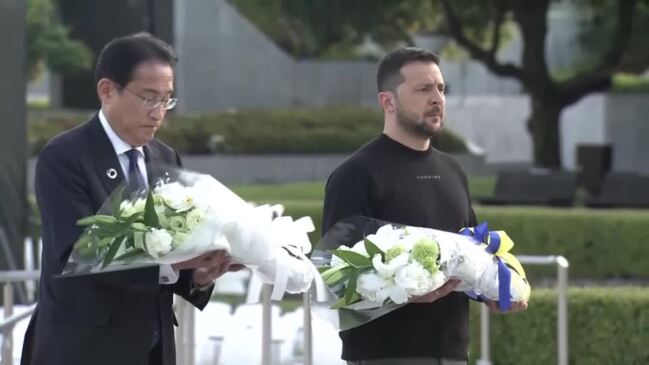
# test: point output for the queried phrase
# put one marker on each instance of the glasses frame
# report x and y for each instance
(152, 104)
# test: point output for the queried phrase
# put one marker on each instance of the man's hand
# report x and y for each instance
(204, 276)
(438, 293)
(206, 260)
(208, 267)
(515, 307)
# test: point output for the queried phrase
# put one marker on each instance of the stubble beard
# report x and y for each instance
(416, 126)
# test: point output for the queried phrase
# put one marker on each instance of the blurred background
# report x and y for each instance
(547, 109)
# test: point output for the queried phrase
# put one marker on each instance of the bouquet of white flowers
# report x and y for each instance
(185, 216)
(383, 270)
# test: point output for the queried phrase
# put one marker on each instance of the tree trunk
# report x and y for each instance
(543, 125)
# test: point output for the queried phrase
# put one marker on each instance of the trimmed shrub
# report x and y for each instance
(605, 326)
(271, 131)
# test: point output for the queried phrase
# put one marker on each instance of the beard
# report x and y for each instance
(417, 126)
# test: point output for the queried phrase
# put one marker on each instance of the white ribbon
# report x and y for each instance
(291, 242)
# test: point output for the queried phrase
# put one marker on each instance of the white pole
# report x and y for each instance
(266, 325)
(308, 331)
(562, 310)
(7, 335)
(485, 355)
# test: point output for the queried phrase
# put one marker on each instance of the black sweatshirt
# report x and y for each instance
(387, 180)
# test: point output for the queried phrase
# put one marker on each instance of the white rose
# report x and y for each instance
(157, 242)
(194, 218)
(415, 279)
(176, 223)
(370, 286)
(397, 294)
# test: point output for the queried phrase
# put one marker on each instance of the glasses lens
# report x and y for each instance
(150, 104)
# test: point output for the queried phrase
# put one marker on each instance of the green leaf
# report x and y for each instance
(323, 269)
(336, 274)
(111, 230)
(354, 259)
(129, 254)
(134, 218)
(373, 249)
(351, 288)
(150, 215)
(116, 200)
(110, 255)
(83, 246)
(97, 219)
(82, 241)
(339, 303)
(139, 227)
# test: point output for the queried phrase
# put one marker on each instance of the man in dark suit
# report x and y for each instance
(120, 317)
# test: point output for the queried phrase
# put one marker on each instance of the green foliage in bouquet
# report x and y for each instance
(346, 275)
(152, 225)
(106, 234)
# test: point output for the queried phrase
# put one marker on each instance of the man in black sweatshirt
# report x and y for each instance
(399, 177)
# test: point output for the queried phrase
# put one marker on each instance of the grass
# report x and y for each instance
(282, 193)
(301, 193)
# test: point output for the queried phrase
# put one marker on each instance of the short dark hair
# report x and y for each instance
(122, 55)
(388, 74)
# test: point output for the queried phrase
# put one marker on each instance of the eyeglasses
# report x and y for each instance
(149, 103)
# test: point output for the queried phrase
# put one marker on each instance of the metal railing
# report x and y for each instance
(8, 279)
(562, 310)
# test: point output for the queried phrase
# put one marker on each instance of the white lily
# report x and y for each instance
(388, 270)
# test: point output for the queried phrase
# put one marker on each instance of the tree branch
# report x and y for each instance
(600, 78)
(498, 16)
(488, 58)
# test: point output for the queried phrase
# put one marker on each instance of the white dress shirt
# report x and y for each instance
(167, 274)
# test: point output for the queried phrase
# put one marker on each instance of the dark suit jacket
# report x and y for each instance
(103, 318)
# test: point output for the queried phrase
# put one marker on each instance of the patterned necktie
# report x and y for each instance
(135, 178)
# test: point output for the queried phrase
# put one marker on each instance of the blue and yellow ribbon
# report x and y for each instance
(498, 244)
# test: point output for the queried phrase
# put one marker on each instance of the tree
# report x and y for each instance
(548, 96)
(600, 23)
(333, 28)
(49, 44)
(614, 33)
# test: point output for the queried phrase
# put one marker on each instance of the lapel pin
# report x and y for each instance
(111, 173)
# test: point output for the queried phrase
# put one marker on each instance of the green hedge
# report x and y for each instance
(292, 130)
(598, 244)
(606, 326)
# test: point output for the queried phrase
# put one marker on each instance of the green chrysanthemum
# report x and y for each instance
(393, 252)
(177, 223)
(426, 252)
